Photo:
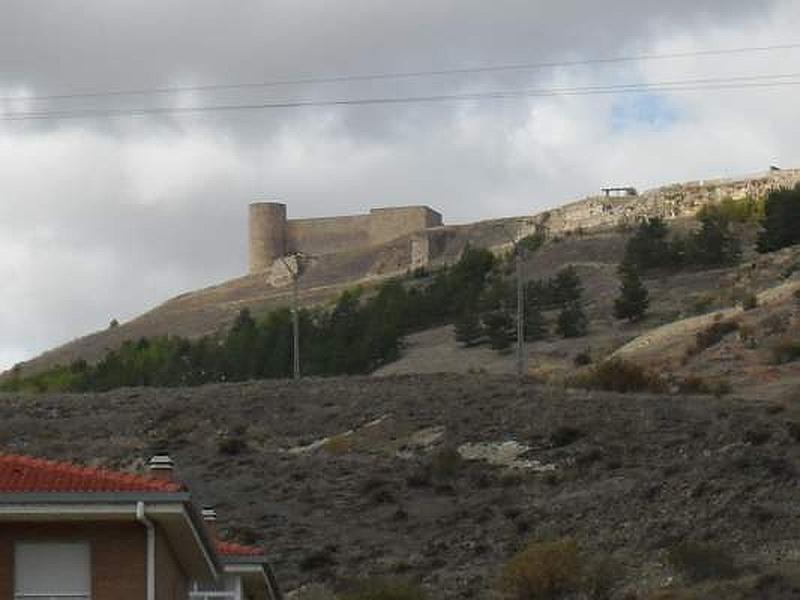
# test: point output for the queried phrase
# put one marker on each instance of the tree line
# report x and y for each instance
(362, 331)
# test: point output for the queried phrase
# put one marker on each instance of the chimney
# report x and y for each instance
(210, 519)
(162, 467)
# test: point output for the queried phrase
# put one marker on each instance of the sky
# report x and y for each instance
(103, 217)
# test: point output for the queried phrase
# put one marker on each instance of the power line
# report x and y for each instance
(407, 74)
(691, 85)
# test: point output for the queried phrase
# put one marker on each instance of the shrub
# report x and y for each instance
(700, 562)
(445, 463)
(543, 571)
(340, 444)
(531, 243)
(749, 301)
(383, 590)
(565, 435)
(793, 429)
(694, 384)
(713, 334)
(722, 387)
(785, 350)
(232, 442)
(314, 591)
(551, 570)
(744, 210)
(318, 559)
(617, 375)
(583, 358)
(702, 304)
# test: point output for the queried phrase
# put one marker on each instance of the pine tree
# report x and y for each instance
(468, 328)
(781, 222)
(714, 244)
(498, 326)
(566, 287)
(535, 323)
(572, 321)
(649, 247)
(634, 298)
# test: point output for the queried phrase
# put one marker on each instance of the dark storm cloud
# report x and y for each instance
(104, 217)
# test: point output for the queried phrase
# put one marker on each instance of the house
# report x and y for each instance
(79, 533)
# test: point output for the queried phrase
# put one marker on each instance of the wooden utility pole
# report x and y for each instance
(520, 313)
(296, 321)
(295, 310)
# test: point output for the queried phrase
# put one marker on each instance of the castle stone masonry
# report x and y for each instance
(273, 236)
(420, 238)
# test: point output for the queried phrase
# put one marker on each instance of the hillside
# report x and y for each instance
(343, 478)
(684, 303)
(591, 231)
(210, 310)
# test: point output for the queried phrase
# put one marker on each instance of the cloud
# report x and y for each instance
(103, 218)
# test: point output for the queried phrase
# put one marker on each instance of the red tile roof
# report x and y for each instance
(232, 549)
(19, 474)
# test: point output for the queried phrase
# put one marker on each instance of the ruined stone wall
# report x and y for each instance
(339, 234)
(428, 240)
(272, 236)
(387, 224)
(328, 235)
(669, 202)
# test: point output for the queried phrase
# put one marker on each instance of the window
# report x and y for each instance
(52, 571)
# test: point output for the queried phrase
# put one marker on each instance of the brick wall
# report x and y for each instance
(171, 583)
(119, 555)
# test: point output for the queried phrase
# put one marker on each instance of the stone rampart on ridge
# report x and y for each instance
(273, 236)
(668, 202)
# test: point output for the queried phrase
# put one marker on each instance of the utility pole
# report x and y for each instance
(520, 313)
(519, 251)
(295, 310)
(296, 320)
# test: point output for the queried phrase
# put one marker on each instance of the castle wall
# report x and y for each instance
(327, 235)
(267, 234)
(390, 223)
(339, 234)
(272, 236)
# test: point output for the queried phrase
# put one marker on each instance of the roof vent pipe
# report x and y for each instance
(162, 467)
(210, 519)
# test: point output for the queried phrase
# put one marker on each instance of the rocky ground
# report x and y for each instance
(440, 479)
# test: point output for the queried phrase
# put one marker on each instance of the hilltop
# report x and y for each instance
(589, 234)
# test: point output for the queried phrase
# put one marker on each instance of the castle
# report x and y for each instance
(273, 236)
(420, 238)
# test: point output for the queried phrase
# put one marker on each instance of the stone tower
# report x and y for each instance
(267, 234)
